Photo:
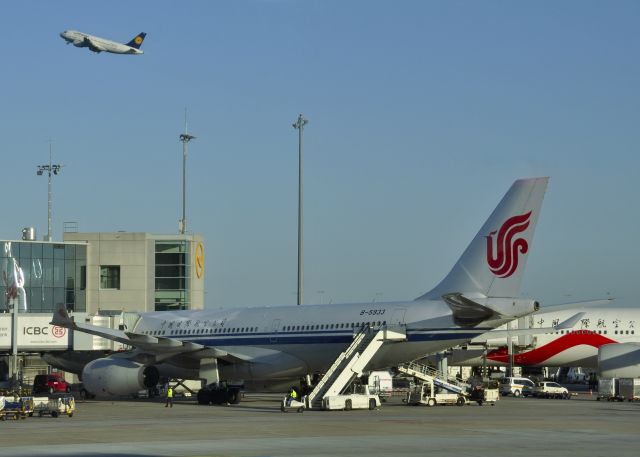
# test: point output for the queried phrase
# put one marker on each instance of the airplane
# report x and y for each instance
(600, 324)
(97, 44)
(269, 347)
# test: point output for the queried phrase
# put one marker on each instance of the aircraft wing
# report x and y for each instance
(159, 346)
(93, 45)
(567, 324)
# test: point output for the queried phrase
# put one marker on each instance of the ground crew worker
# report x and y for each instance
(169, 397)
(292, 396)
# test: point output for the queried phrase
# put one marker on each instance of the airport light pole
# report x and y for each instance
(184, 138)
(299, 125)
(55, 169)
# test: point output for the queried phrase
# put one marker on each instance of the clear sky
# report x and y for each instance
(421, 114)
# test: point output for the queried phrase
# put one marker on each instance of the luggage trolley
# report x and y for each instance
(54, 406)
(18, 409)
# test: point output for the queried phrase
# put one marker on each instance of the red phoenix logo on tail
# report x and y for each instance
(505, 261)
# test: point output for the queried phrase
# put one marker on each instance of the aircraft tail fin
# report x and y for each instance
(494, 262)
(136, 42)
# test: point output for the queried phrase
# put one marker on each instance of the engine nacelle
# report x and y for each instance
(116, 376)
(621, 360)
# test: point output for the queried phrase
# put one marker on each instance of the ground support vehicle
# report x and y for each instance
(359, 398)
(54, 407)
(549, 389)
(289, 403)
(50, 383)
(15, 409)
(381, 384)
(515, 386)
(347, 402)
(609, 389)
(629, 388)
(485, 394)
(425, 394)
(219, 394)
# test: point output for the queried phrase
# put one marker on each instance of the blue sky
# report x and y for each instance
(421, 114)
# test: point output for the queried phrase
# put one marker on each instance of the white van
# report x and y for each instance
(514, 386)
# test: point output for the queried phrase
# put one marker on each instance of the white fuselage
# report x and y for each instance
(577, 346)
(97, 44)
(290, 341)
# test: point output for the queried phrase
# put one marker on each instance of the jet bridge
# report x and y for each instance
(351, 363)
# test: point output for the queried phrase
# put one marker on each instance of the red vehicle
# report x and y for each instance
(50, 383)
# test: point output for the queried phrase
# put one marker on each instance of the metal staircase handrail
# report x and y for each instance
(358, 339)
(436, 374)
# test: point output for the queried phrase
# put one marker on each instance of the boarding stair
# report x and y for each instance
(351, 363)
(431, 375)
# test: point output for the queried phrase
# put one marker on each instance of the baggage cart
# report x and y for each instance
(289, 403)
(608, 389)
(15, 408)
(629, 388)
(54, 407)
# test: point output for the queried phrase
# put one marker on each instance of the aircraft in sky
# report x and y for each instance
(599, 324)
(271, 347)
(97, 44)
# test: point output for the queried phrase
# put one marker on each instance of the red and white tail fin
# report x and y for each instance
(494, 262)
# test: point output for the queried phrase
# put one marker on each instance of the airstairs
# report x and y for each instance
(431, 375)
(351, 363)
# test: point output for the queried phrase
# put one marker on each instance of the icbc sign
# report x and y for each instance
(56, 331)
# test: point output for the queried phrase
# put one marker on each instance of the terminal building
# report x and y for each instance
(96, 276)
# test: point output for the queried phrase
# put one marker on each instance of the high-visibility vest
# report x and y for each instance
(293, 394)
(170, 393)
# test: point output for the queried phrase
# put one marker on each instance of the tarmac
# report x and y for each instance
(257, 428)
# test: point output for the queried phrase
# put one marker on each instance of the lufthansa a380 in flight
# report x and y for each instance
(97, 44)
(272, 346)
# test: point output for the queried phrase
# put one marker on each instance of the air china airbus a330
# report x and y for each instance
(273, 346)
(97, 44)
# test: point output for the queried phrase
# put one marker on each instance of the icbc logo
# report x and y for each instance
(58, 332)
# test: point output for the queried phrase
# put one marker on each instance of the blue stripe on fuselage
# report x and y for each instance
(320, 337)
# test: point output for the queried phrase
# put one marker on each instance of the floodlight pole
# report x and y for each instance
(299, 125)
(184, 138)
(55, 169)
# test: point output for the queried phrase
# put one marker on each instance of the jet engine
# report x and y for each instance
(117, 376)
(620, 360)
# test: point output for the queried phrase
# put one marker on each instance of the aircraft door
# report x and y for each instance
(275, 328)
(397, 318)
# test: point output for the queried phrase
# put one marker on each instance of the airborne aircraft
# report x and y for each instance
(97, 44)
(271, 347)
